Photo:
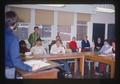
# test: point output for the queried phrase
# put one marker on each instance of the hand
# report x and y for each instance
(35, 67)
(77, 50)
(60, 52)
(98, 47)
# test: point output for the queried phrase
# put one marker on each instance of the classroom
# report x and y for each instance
(61, 41)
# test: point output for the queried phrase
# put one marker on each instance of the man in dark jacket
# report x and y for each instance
(12, 55)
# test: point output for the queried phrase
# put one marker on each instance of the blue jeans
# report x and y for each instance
(10, 73)
(66, 67)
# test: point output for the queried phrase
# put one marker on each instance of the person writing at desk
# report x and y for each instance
(57, 48)
(12, 54)
(106, 48)
(38, 49)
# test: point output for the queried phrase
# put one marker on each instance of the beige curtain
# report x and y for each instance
(83, 17)
(45, 17)
(65, 18)
(23, 13)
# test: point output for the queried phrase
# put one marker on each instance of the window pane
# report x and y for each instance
(81, 29)
(65, 32)
(45, 31)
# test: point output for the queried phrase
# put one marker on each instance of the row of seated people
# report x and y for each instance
(57, 47)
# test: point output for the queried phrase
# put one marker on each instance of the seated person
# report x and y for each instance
(73, 45)
(98, 44)
(38, 49)
(106, 48)
(57, 48)
(53, 42)
(23, 47)
(111, 50)
(68, 49)
(85, 45)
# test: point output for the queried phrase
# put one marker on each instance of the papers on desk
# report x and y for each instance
(107, 55)
(36, 62)
(103, 55)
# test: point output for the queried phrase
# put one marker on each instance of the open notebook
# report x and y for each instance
(36, 62)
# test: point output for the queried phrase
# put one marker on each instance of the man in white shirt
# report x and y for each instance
(38, 49)
(57, 48)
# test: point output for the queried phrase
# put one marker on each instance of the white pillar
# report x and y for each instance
(106, 31)
(89, 31)
(54, 27)
(7, 8)
(32, 21)
(74, 26)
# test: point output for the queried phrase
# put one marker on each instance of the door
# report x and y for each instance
(98, 31)
(111, 31)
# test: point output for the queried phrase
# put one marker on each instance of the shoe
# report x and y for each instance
(69, 76)
(65, 75)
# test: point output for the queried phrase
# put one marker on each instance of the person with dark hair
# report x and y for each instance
(12, 54)
(54, 41)
(85, 44)
(98, 44)
(34, 36)
(38, 49)
(23, 47)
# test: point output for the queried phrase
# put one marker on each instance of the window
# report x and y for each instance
(81, 29)
(64, 32)
(111, 31)
(22, 31)
(45, 31)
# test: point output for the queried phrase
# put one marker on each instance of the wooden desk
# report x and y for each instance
(48, 72)
(110, 60)
(64, 56)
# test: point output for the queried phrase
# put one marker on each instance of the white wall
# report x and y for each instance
(103, 18)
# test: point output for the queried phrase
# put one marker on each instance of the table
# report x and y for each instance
(62, 57)
(48, 72)
(108, 59)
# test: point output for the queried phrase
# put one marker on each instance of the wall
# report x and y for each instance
(100, 18)
(95, 18)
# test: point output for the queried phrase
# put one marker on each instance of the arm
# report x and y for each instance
(88, 44)
(30, 39)
(63, 50)
(15, 56)
(82, 44)
(44, 51)
(52, 51)
(101, 50)
(108, 51)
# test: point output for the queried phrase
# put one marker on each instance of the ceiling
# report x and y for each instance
(84, 8)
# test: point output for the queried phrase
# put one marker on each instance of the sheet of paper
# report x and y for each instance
(102, 55)
(36, 62)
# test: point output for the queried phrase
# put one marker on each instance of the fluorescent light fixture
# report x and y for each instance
(54, 5)
(107, 10)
